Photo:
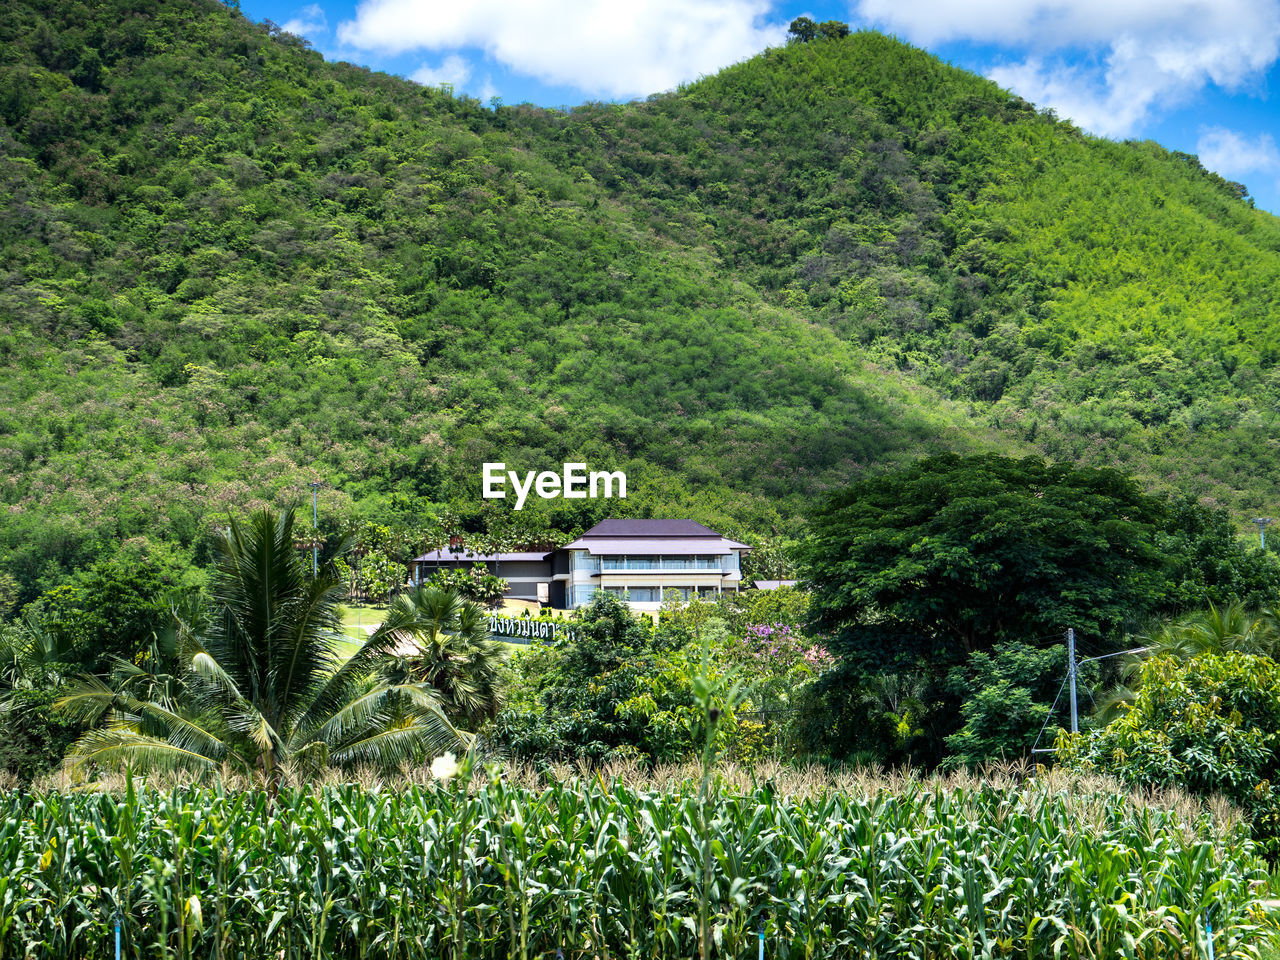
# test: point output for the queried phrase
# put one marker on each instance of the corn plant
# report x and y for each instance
(598, 869)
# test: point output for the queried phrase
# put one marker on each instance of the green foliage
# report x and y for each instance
(1231, 628)
(33, 737)
(596, 868)
(569, 696)
(787, 605)
(261, 685)
(1210, 724)
(981, 248)
(952, 555)
(374, 575)
(621, 688)
(1210, 564)
(918, 573)
(802, 30)
(232, 268)
(453, 654)
(1004, 697)
(475, 583)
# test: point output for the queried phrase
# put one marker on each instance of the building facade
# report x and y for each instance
(642, 561)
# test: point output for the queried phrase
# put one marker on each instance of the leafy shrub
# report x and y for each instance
(34, 738)
(621, 687)
(1210, 724)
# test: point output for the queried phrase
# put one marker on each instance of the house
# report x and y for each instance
(643, 561)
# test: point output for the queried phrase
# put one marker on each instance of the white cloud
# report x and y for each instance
(307, 22)
(1139, 55)
(454, 71)
(1234, 154)
(602, 48)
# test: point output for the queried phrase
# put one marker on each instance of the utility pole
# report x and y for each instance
(1071, 676)
(315, 528)
(1262, 529)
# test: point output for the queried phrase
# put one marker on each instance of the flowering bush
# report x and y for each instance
(780, 649)
(778, 663)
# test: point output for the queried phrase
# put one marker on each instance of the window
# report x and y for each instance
(634, 594)
(581, 560)
(687, 593)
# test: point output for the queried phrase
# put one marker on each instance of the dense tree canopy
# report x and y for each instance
(954, 554)
(228, 268)
(945, 585)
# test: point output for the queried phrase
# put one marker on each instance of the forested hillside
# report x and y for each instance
(230, 268)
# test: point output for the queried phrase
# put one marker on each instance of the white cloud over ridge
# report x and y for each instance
(307, 22)
(454, 71)
(1233, 154)
(617, 50)
(1146, 54)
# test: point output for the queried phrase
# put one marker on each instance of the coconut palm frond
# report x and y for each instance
(181, 731)
(310, 760)
(205, 666)
(1114, 702)
(1217, 630)
(32, 651)
(87, 700)
(363, 711)
(127, 745)
(245, 718)
(410, 740)
(402, 624)
(309, 653)
(473, 626)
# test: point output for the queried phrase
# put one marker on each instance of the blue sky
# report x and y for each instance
(1195, 75)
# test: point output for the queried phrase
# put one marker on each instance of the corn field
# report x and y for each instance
(603, 869)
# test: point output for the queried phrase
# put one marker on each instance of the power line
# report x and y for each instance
(1087, 645)
(1047, 718)
(1119, 653)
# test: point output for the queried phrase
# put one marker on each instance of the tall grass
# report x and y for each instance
(615, 867)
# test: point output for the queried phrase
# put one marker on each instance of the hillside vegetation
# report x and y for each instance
(228, 268)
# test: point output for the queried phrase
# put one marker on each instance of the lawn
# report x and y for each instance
(356, 619)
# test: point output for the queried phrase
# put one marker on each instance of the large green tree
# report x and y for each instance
(953, 554)
(916, 572)
(261, 680)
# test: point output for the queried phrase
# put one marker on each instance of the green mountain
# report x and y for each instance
(228, 268)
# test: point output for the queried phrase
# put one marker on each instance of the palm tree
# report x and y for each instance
(261, 683)
(32, 654)
(1232, 628)
(1228, 629)
(453, 654)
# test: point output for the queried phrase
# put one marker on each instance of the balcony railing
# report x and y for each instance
(623, 564)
